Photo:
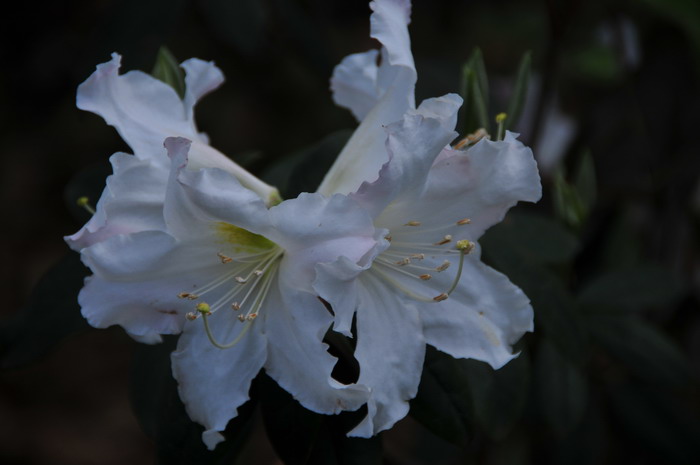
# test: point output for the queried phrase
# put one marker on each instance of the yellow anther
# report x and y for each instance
(203, 308)
(501, 117)
(412, 223)
(441, 297)
(187, 295)
(224, 259)
(252, 316)
(463, 221)
(425, 277)
(445, 240)
(445, 265)
(465, 246)
(85, 203)
(236, 306)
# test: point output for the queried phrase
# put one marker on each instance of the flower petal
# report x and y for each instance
(354, 83)
(214, 382)
(142, 109)
(364, 154)
(132, 201)
(480, 184)
(412, 144)
(390, 350)
(201, 77)
(295, 324)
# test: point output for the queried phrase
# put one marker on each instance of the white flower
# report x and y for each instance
(145, 111)
(242, 274)
(425, 284)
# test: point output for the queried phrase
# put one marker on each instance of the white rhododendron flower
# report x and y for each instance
(241, 273)
(145, 111)
(426, 283)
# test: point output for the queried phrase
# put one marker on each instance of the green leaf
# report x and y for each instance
(517, 100)
(562, 390)
(443, 403)
(476, 63)
(474, 111)
(633, 289)
(585, 182)
(642, 348)
(168, 70)
(657, 422)
(51, 314)
(498, 396)
(157, 406)
(302, 437)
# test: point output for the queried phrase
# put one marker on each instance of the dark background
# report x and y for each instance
(622, 74)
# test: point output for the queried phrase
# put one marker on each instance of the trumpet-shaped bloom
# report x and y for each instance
(146, 111)
(425, 284)
(241, 274)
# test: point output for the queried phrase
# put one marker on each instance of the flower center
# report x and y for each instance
(408, 258)
(249, 265)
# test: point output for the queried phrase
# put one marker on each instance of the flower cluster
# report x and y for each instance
(183, 240)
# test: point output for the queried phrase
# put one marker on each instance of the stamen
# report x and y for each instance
(417, 256)
(441, 297)
(85, 203)
(241, 318)
(241, 279)
(464, 221)
(257, 272)
(388, 237)
(445, 240)
(404, 262)
(445, 265)
(235, 306)
(425, 277)
(471, 139)
(224, 259)
(192, 316)
(252, 316)
(413, 223)
(500, 120)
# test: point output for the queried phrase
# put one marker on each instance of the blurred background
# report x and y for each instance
(610, 257)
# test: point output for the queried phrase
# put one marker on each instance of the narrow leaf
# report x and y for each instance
(517, 100)
(168, 70)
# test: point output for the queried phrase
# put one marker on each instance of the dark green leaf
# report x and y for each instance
(443, 403)
(168, 70)
(657, 422)
(51, 314)
(157, 405)
(474, 111)
(562, 390)
(643, 349)
(567, 203)
(517, 100)
(302, 437)
(476, 63)
(498, 396)
(585, 182)
(631, 290)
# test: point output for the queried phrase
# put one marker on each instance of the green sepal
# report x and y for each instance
(167, 69)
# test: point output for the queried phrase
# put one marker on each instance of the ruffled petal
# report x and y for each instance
(143, 109)
(364, 154)
(132, 201)
(201, 77)
(331, 228)
(295, 324)
(354, 83)
(206, 196)
(390, 350)
(481, 319)
(480, 185)
(412, 144)
(214, 382)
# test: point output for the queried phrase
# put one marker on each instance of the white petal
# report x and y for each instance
(390, 350)
(481, 319)
(413, 144)
(295, 324)
(201, 77)
(214, 382)
(208, 195)
(354, 83)
(132, 201)
(313, 229)
(364, 154)
(143, 109)
(480, 184)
